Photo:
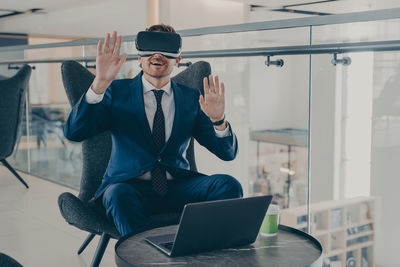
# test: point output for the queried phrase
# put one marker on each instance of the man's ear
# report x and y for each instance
(140, 61)
(178, 60)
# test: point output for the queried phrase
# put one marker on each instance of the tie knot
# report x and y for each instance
(158, 94)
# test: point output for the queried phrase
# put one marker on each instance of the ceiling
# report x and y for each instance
(91, 18)
(74, 18)
(324, 6)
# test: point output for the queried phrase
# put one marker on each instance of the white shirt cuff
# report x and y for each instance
(92, 98)
(223, 133)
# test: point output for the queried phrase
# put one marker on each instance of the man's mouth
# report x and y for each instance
(156, 63)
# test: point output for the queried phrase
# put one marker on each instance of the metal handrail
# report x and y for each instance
(393, 45)
(375, 15)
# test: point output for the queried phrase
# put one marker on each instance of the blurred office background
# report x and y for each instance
(323, 138)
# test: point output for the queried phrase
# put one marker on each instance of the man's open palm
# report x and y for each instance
(108, 63)
(213, 102)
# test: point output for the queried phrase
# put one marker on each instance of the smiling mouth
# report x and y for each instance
(156, 64)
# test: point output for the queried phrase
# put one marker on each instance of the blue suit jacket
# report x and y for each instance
(133, 151)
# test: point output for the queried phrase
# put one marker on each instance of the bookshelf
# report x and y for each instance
(345, 229)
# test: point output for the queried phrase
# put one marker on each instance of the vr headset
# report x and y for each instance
(166, 43)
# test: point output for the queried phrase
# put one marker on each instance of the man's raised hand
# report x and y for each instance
(213, 102)
(108, 63)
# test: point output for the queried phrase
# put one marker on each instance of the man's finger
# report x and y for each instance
(122, 59)
(217, 85)
(203, 103)
(113, 41)
(106, 43)
(205, 85)
(201, 100)
(118, 49)
(222, 89)
(99, 47)
(212, 87)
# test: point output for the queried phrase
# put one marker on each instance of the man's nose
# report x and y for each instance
(158, 55)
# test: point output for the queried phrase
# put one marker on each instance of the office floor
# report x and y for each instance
(32, 230)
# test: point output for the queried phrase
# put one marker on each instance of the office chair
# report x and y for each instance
(12, 102)
(7, 261)
(84, 213)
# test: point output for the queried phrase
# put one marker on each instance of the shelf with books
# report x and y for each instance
(342, 226)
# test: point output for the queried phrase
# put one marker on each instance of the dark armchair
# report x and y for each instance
(12, 101)
(7, 261)
(81, 211)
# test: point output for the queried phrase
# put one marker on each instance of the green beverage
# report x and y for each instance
(270, 224)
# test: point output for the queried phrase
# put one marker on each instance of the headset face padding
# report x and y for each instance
(167, 43)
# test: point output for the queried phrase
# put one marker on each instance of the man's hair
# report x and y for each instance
(161, 28)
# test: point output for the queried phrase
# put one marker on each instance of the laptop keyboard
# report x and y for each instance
(167, 245)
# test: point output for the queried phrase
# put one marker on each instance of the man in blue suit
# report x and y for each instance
(152, 120)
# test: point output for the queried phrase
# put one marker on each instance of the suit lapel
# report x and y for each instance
(136, 88)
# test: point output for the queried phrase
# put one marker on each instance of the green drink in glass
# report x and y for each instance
(270, 224)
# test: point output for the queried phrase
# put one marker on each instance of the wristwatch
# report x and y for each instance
(217, 123)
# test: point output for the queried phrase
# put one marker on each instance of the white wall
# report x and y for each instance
(279, 96)
(4, 71)
(322, 127)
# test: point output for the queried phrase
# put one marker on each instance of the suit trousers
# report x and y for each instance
(129, 204)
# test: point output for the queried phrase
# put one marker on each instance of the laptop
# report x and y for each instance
(211, 225)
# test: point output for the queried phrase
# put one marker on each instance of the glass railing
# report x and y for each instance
(319, 133)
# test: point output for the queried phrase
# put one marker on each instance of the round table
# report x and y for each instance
(290, 247)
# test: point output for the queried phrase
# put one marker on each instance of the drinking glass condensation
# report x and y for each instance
(270, 224)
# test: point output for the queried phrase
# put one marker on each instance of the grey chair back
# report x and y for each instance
(12, 102)
(7, 261)
(97, 149)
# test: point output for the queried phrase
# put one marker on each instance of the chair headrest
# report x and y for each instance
(193, 75)
(76, 79)
(22, 76)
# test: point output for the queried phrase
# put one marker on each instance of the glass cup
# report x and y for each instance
(269, 227)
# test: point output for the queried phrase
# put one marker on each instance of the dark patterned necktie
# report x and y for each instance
(158, 173)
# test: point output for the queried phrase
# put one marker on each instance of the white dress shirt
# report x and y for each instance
(150, 106)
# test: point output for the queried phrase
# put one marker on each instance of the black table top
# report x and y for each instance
(290, 247)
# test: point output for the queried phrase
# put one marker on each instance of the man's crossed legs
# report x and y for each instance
(130, 204)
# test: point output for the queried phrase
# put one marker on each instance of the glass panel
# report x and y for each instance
(53, 53)
(250, 39)
(263, 103)
(385, 154)
(41, 148)
(370, 31)
(354, 150)
(20, 157)
(278, 129)
(354, 145)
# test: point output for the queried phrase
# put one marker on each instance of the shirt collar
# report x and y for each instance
(147, 87)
